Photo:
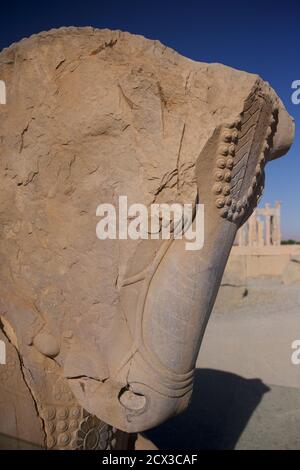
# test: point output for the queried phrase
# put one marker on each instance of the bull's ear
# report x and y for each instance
(230, 169)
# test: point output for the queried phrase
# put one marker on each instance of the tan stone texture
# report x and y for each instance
(110, 330)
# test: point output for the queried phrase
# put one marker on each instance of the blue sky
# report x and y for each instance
(258, 36)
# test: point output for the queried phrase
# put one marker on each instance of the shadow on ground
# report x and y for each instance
(221, 406)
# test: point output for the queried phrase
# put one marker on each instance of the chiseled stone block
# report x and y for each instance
(109, 331)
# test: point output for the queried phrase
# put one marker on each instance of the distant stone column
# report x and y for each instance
(252, 234)
(277, 223)
(260, 233)
(242, 236)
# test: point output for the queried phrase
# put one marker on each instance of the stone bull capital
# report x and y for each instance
(109, 330)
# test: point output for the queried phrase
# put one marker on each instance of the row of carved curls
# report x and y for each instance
(231, 209)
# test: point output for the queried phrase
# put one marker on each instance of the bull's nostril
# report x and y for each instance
(132, 401)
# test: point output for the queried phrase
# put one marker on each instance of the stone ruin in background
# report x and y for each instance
(263, 228)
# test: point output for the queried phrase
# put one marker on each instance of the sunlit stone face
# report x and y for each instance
(114, 327)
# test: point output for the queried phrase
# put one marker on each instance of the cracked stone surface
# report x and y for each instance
(18, 410)
(109, 331)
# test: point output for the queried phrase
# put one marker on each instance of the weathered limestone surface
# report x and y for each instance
(263, 261)
(291, 273)
(17, 407)
(112, 328)
(234, 283)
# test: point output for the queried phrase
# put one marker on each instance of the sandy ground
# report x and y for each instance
(254, 338)
(247, 391)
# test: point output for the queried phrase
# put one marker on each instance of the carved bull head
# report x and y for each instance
(114, 327)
